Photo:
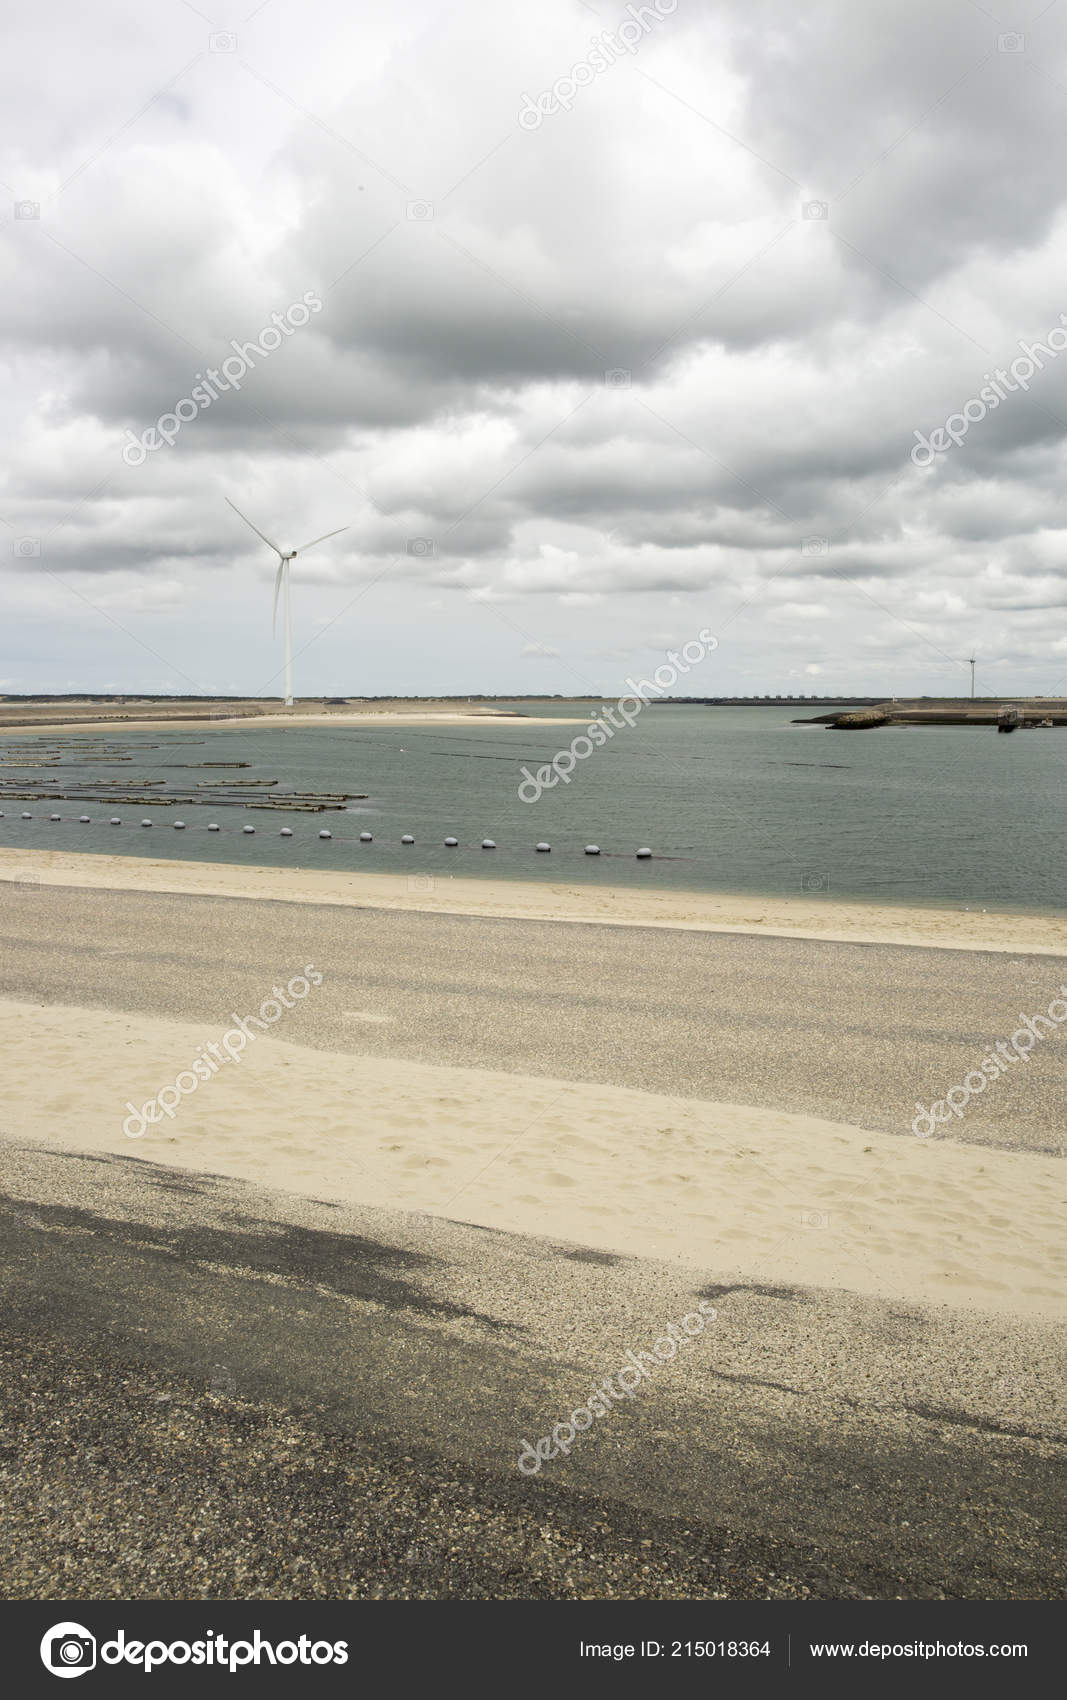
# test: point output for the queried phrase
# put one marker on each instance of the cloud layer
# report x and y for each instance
(577, 387)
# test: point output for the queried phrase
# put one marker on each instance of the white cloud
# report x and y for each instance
(453, 389)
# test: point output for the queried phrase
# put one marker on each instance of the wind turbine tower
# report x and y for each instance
(970, 662)
(282, 587)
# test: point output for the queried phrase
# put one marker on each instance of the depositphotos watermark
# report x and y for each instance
(626, 38)
(956, 1098)
(228, 1049)
(598, 732)
(601, 1400)
(69, 1649)
(216, 379)
(998, 385)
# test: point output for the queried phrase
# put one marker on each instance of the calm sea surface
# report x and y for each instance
(732, 800)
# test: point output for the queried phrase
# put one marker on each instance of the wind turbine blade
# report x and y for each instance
(255, 528)
(304, 547)
(277, 592)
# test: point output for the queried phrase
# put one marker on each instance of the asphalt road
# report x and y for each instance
(856, 1033)
(211, 1392)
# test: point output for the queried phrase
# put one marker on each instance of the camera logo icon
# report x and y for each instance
(24, 546)
(814, 1219)
(815, 545)
(814, 882)
(618, 378)
(420, 210)
(815, 209)
(68, 1649)
(423, 883)
(1011, 43)
(27, 209)
(421, 546)
(223, 42)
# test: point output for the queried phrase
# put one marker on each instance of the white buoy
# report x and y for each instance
(451, 842)
(366, 838)
(325, 834)
(179, 826)
(488, 843)
(543, 846)
(55, 817)
(115, 821)
(407, 839)
(146, 823)
(286, 832)
(248, 829)
(26, 816)
(84, 819)
(592, 849)
(643, 855)
(213, 826)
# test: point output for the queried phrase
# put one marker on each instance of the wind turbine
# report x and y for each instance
(281, 581)
(970, 662)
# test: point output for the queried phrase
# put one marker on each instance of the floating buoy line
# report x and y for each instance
(451, 842)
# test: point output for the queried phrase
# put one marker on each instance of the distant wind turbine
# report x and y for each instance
(970, 663)
(281, 582)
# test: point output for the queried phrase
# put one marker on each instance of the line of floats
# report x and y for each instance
(246, 793)
(450, 843)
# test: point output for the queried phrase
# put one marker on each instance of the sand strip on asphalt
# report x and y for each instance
(746, 1193)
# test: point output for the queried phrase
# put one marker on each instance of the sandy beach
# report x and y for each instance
(29, 718)
(404, 717)
(814, 918)
(225, 722)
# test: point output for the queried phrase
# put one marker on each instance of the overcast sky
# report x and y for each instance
(582, 381)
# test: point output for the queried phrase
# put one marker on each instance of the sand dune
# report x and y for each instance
(722, 1187)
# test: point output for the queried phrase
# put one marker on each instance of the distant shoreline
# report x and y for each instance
(54, 715)
(899, 712)
(155, 714)
(226, 723)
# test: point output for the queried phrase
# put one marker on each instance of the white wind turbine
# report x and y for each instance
(282, 581)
